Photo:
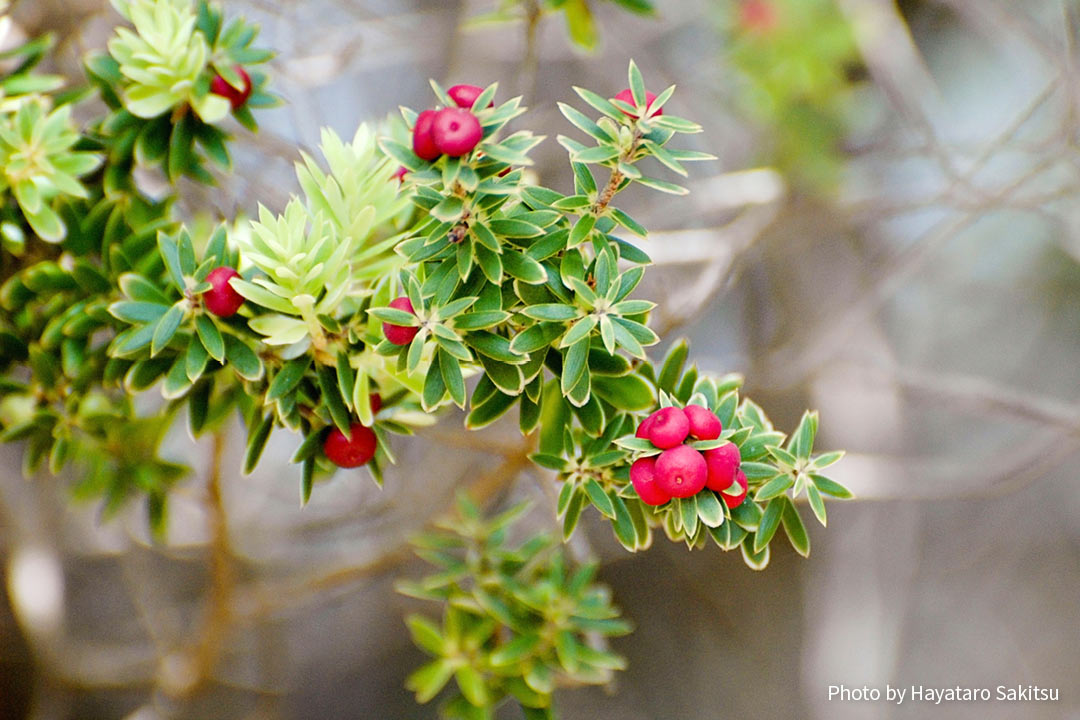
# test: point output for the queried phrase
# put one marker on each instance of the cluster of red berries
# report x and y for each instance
(236, 96)
(452, 131)
(358, 447)
(681, 471)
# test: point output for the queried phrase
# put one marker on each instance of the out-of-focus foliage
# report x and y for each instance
(797, 61)
(579, 16)
(517, 623)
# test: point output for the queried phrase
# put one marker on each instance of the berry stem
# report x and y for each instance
(605, 197)
(612, 187)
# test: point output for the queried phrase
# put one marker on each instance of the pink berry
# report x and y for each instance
(376, 403)
(681, 471)
(236, 96)
(352, 451)
(456, 131)
(464, 96)
(736, 501)
(221, 299)
(400, 334)
(704, 425)
(669, 427)
(423, 142)
(400, 173)
(627, 96)
(723, 464)
(643, 428)
(643, 478)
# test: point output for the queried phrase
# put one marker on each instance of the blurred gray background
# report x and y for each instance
(930, 308)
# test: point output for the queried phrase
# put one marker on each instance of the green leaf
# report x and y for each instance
(774, 488)
(794, 528)
(515, 651)
(331, 397)
(426, 635)
(429, 680)
(662, 186)
(511, 228)
(637, 84)
(582, 228)
(754, 558)
(170, 253)
(210, 337)
(629, 392)
(257, 437)
(137, 312)
(288, 378)
(709, 509)
(195, 361)
(770, 521)
(523, 268)
(817, 504)
(165, 329)
(599, 498)
(455, 382)
(553, 312)
(472, 685)
(831, 487)
(243, 359)
(490, 410)
(574, 364)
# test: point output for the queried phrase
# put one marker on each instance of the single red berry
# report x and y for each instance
(723, 463)
(681, 471)
(400, 334)
(643, 428)
(465, 95)
(456, 131)
(236, 96)
(400, 173)
(423, 142)
(757, 15)
(376, 403)
(643, 478)
(669, 427)
(704, 425)
(736, 501)
(221, 299)
(627, 96)
(352, 451)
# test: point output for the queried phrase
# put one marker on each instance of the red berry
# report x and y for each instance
(681, 471)
(400, 334)
(221, 299)
(733, 502)
(456, 131)
(465, 95)
(236, 96)
(352, 451)
(669, 427)
(757, 15)
(400, 173)
(423, 142)
(723, 463)
(643, 477)
(704, 425)
(643, 428)
(627, 96)
(376, 403)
